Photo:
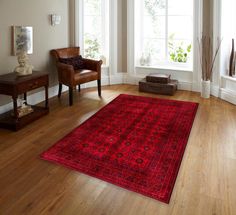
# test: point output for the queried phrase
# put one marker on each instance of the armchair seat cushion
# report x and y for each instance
(77, 62)
(84, 75)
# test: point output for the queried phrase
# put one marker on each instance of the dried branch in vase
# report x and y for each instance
(208, 56)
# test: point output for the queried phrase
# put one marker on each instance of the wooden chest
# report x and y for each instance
(159, 88)
(158, 78)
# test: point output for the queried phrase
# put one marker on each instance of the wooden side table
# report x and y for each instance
(13, 85)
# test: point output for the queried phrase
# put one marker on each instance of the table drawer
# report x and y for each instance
(32, 84)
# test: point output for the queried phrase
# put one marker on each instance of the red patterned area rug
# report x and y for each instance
(133, 142)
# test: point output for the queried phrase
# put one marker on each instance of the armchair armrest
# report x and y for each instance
(65, 73)
(94, 65)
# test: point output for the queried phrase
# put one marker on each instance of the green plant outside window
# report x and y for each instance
(92, 47)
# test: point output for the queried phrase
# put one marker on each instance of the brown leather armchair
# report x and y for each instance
(70, 77)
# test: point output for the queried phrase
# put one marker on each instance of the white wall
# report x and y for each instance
(33, 13)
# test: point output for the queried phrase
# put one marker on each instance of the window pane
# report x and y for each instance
(180, 7)
(92, 29)
(165, 30)
(156, 47)
(154, 7)
(180, 26)
(154, 28)
(92, 7)
(180, 51)
(93, 25)
(92, 46)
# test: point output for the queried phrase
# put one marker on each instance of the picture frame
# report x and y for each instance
(22, 39)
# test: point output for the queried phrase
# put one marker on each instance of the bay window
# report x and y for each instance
(164, 32)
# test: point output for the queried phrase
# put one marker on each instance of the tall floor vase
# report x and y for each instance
(232, 61)
(206, 89)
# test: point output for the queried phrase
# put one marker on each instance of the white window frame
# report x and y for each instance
(105, 27)
(111, 69)
(132, 48)
(139, 7)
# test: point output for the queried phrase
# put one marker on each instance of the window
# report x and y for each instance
(227, 31)
(95, 29)
(164, 32)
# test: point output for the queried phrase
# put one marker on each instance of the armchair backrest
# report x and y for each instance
(65, 52)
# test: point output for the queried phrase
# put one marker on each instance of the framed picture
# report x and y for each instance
(22, 39)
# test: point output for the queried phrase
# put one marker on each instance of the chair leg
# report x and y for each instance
(59, 90)
(71, 96)
(78, 87)
(99, 87)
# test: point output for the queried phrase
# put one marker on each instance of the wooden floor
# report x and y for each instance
(206, 183)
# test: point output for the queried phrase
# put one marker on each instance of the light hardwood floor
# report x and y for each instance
(206, 183)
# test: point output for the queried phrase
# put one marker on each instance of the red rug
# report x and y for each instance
(134, 142)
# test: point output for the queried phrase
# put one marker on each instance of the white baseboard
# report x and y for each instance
(106, 80)
(117, 79)
(185, 86)
(215, 91)
(228, 95)
(121, 78)
(128, 79)
(196, 87)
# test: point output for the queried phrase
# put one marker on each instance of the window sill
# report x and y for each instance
(166, 67)
(229, 78)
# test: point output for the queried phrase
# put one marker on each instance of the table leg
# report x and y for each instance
(25, 97)
(46, 96)
(15, 106)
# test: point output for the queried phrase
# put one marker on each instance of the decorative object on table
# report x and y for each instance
(232, 61)
(22, 39)
(24, 109)
(158, 83)
(137, 143)
(207, 60)
(145, 60)
(24, 67)
(142, 60)
(148, 60)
